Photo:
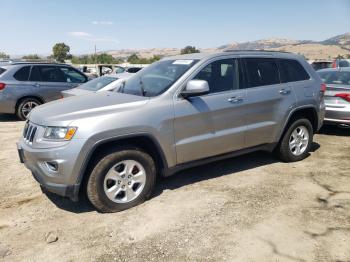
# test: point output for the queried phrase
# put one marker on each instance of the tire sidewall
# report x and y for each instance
(98, 174)
(285, 143)
(21, 104)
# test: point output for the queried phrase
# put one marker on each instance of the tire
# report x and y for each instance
(287, 150)
(106, 176)
(26, 103)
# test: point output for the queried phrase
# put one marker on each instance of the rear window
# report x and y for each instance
(335, 77)
(292, 71)
(261, 71)
(46, 74)
(2, 70)
(22, 74)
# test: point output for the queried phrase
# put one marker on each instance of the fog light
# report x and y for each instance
(52, 166)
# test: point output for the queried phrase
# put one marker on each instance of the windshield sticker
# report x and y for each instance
(182, 62)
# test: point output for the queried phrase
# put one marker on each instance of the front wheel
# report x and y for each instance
(296, 141)
(121, 180)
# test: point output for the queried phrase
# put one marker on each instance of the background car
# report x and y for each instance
(341, 63)
(321, 64)
(103, 83)
(25, 85)
(337, 95)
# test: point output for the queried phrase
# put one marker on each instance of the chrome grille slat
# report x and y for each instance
(29, 133)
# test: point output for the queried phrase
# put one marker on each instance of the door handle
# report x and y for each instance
(235, 99)
(36, 85)
(284, 92)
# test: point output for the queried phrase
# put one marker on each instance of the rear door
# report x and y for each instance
(48, 81)
(211, 124)
(269, 100)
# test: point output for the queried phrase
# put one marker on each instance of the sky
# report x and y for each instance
(34, 26)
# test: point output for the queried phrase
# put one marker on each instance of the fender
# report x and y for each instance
(115, 139)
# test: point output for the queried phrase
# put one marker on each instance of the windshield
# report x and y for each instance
(157, 78)
(97, 83)
(335, 77)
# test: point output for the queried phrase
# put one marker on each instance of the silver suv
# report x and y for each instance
(179, 112)
(24, 86)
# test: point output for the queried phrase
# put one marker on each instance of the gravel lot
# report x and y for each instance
(250, 208)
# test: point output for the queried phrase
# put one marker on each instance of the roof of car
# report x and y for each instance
(233, 52)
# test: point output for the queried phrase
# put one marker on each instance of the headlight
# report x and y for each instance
(59, 133)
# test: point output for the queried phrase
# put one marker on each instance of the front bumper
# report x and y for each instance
(63, 181)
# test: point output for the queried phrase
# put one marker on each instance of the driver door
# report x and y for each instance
(214, 123)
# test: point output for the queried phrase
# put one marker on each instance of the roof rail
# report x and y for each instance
(255, 50)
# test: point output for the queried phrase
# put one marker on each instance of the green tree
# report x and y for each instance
(189, 50)
(61, 52)
(348, 56)
(133, 59)
(31, 57)
(4, 56)
(340, 57)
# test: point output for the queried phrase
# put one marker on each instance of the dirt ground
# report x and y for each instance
(250, 208)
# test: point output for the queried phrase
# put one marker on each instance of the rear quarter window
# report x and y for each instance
(22, 74)
(292, 71)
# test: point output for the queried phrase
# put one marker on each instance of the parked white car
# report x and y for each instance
(104, 83)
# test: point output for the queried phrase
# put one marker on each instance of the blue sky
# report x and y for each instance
(34, 26)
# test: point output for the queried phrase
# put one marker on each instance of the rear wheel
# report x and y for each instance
(296, 141)
(121, 180)
(25, 106)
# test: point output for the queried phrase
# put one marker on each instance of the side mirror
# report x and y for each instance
(195, 88)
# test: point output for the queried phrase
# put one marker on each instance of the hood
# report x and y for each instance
(75, 92)
(63, 111)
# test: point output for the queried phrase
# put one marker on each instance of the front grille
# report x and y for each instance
(29, 132)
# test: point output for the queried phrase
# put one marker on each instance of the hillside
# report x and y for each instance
(326, 49)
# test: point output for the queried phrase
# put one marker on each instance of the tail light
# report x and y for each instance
(334, 65)
(2, 86)
(344, 96)
(323, 90)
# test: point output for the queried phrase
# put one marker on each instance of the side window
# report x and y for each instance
(292, 71)
(221, 75)
(35, 74)
(46, 74)
(72, 76)
(261, 72)
(22, 74)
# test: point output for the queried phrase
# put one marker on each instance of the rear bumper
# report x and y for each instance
(7, 106)
(339, 115)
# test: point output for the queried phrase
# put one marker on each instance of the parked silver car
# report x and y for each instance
(337, 96)
(24, 86)
(110, 82)
(179, 112)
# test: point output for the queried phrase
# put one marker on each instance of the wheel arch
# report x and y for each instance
(19, 100)
(308, 112)
(145, 142)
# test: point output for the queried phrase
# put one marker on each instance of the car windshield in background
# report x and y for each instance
(335, 77)
(157, 78)
(2, 70)
(97, 83)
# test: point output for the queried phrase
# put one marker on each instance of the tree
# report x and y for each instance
(4, 56)
(348, 56)
(61, 52)
(189, 50)
(133, 59)
(31, 57)
(340, 57)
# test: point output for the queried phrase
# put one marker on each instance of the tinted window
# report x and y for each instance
(344, 63)
(2, 70)
(133, 69)
(22, 74)
(72, 76)
(292, 71)
(221, 75)
(335, 77)
(261, 72)
(46, 74)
